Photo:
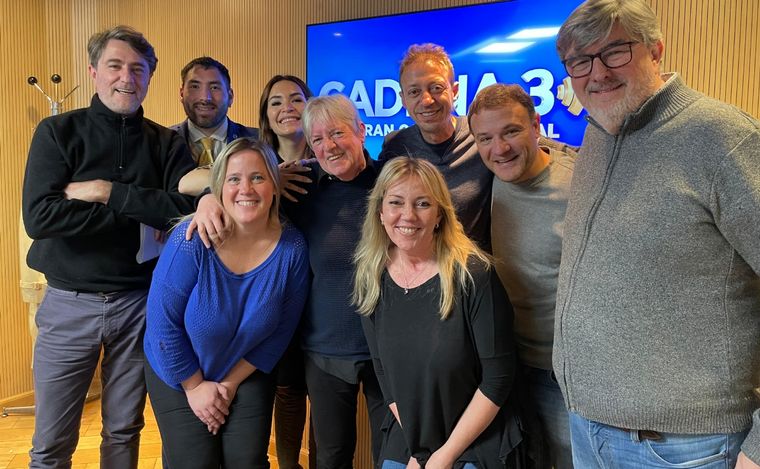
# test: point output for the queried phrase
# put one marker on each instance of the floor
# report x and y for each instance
(16, 436)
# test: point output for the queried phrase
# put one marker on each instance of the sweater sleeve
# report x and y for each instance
(167, 344)
(736, 208)
(368, 324)
(46, 211)
(390, 148)
(491, 317)
(736, 199)
(157, 207)
(751, 445)
(268, 352)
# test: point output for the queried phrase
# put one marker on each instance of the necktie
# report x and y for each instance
(207, 156)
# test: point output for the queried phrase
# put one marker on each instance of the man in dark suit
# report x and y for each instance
(206, 96)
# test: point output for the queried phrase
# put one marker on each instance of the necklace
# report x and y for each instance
(407, 281)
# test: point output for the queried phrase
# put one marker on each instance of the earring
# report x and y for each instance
(436, 226)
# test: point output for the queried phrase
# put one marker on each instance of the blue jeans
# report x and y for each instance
(596, 445)
(388, 464)
(545, 396)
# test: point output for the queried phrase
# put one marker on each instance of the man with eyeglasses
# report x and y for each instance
(658, 307)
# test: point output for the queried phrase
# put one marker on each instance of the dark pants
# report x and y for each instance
(290, 407)
(333, 414)
(241, 442)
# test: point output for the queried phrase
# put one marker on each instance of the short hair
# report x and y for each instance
(452, 247)
(329, 108)
(206, 63)
(594, 19)
(424, 52)
(265, 127)
(499, 95)
(219, 170)
(131, 36)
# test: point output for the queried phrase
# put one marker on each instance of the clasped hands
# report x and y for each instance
(210, 402)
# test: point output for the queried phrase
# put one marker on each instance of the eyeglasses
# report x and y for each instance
(613, 56)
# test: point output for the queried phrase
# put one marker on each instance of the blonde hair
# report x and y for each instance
(219, 171)
(452, 247)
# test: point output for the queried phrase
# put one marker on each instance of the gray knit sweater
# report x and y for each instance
(658, 307)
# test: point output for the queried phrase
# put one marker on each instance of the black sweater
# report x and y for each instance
(330, 216)
(86, 246)
(431, 368)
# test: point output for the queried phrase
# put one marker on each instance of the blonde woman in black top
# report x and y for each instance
(438, 323)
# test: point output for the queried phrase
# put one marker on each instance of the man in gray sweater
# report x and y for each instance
(528, 205)
(657, 334)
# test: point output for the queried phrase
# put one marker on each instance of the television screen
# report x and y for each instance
(506, 42)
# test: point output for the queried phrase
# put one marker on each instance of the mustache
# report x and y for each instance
(603, 86)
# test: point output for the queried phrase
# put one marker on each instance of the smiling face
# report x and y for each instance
(507, 140)
(121, 77)
(410, 214)
(339, 148)
(610, 94)
(428, 95)
(284, 108)
(206, 97)
(248, 190)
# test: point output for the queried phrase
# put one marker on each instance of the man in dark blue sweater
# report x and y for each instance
(428, 91)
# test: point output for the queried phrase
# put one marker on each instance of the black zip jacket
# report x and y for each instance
(86, 246)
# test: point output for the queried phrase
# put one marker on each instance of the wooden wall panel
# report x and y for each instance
(714, 45)
(22, 47)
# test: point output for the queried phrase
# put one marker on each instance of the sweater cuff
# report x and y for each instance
(751, 445)
(118, 198)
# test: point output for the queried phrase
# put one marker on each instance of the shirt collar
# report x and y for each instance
(220, 134)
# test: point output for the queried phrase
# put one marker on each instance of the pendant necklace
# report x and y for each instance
(406, 279)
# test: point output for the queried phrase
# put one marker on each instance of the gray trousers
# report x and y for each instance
(73, 329)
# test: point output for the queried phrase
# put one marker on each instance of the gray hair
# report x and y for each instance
(334, 107)
(135, 39)
(594, 19)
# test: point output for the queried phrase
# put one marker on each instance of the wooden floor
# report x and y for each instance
(16, 437)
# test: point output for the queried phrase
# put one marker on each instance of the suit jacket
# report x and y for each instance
(234, 131)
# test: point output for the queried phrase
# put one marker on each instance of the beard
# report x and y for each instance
(205, 122)
(638, 89)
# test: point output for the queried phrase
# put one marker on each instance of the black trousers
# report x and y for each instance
(290, 407)
(243, 440)
(333, 414)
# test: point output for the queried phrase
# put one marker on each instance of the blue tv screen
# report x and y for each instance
(505, 42)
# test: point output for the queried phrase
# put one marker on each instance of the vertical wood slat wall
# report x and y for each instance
(714, 45)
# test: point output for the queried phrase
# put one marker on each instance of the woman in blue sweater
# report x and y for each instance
(219, 319)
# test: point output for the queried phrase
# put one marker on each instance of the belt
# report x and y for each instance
(643, 434)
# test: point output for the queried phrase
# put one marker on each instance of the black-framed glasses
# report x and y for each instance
(612, 56)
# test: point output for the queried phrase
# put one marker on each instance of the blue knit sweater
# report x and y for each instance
(202, 316)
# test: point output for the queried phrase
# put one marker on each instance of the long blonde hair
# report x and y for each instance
(452, 247)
